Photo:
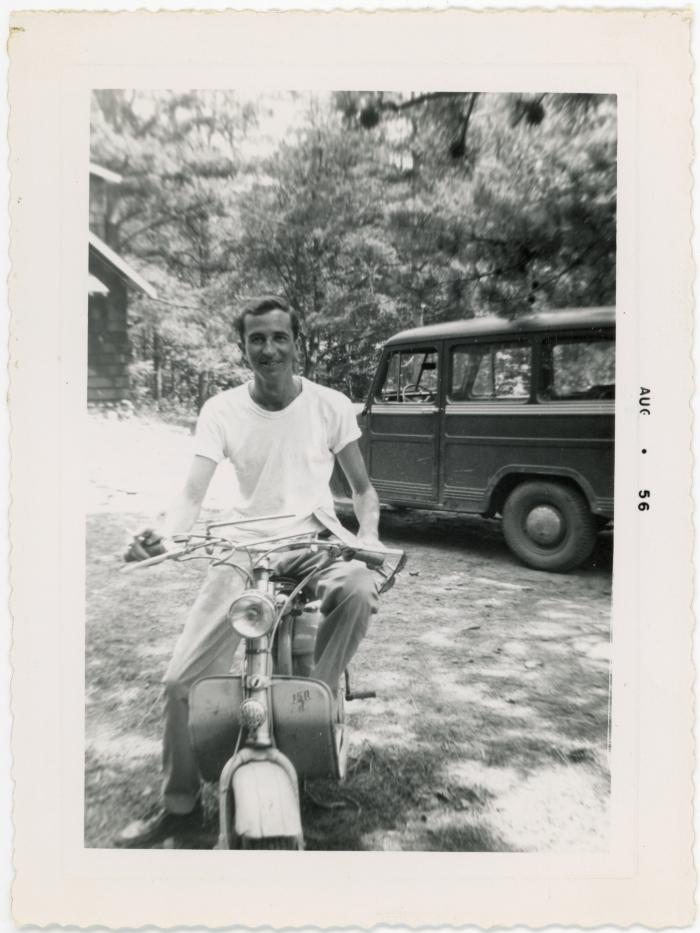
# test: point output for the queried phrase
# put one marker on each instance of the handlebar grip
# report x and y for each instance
(371, 558)
(149, 562)
(377, 559)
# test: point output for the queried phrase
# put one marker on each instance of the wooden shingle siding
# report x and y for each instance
(108, 339)
(108, 342)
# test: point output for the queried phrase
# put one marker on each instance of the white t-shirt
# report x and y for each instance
(283, 460)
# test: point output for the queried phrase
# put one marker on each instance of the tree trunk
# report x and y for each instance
(202, 389)
(157, 371)
(311, 358)
(304, 347)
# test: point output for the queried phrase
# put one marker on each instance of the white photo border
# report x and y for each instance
(56, 62)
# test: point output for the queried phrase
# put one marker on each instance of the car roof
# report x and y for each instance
(487, 325)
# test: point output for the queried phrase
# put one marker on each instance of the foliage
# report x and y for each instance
(370, 212)
(175, 214)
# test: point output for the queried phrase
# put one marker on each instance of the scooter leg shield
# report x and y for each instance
(266, 797)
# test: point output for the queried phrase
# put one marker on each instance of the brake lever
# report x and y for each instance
(395, 571)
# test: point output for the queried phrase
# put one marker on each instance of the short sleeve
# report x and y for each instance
(209, 435)
(345, 427)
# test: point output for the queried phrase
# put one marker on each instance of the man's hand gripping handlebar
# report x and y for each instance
(144, 545)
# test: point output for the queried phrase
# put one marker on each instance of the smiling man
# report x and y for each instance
(283, 434)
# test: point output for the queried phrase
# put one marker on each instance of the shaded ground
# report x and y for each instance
(489, 729)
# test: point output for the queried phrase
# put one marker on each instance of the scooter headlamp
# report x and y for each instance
(252, 615)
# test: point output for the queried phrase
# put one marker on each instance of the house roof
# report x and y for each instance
(105, 173)
(121, 265)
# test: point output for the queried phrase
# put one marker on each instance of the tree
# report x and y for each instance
(175, 215)
(370, 213)
(300, 224)
(512, 197)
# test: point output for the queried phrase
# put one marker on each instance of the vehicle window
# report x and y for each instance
(491, 371)
(578, 369)
(411, 376)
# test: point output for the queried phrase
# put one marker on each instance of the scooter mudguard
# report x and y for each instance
(303, 723)
(266, 801)
(258, 799)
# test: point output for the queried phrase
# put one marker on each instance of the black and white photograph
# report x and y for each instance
(398, 310)
(349, 389)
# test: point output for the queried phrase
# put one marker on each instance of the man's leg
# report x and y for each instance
(205, 647)
(349, 595)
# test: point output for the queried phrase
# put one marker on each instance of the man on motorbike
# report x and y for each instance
(282, 433)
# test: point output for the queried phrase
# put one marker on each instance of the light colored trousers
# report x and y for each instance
(348, 596)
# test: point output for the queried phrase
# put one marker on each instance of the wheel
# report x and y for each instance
(340, 733)
(271, 842)
(549, 526)
(231, 840)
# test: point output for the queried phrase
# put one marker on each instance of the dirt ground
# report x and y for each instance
(489, 731)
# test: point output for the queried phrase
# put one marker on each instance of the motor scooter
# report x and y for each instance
(260, 731)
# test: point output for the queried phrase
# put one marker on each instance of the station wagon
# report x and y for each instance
(501, 418)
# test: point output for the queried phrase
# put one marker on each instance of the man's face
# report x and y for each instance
(269, 344)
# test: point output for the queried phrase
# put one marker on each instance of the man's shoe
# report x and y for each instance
(142, 834)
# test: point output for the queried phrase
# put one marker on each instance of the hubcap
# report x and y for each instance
(544, 525)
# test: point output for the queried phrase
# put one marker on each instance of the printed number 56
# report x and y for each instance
(643, 494)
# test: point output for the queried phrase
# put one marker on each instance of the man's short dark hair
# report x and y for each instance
(261, 305)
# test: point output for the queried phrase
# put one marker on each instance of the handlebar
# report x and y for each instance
(218, 550)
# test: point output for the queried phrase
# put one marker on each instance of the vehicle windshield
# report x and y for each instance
(411, 376)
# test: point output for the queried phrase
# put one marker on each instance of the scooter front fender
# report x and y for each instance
(262, 786)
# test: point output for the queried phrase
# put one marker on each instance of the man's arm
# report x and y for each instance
(184, 511)
(364, 497)
(181, 515)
